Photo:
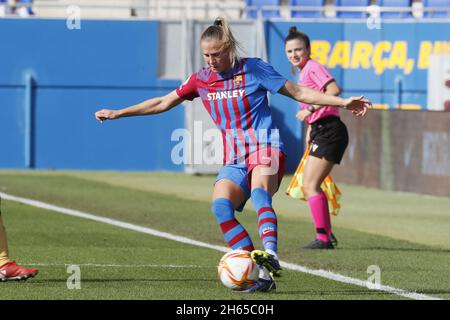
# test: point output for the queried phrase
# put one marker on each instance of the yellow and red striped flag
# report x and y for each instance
(331, 190)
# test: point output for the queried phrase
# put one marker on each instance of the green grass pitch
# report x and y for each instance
(403, 234)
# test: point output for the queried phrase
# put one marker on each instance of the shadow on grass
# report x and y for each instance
(434, 250)
(318, 293)
(93, 280)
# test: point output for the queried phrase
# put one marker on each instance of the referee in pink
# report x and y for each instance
(326, 132)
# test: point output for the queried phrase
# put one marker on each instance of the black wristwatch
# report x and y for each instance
(311, 109)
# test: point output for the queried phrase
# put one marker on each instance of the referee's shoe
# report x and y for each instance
(319, 244)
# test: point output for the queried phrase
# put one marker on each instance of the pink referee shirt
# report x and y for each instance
(315, 76)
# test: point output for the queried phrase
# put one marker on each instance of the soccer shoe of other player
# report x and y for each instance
(267, 260)
(11, 271)
(319, 244)
(262, 285)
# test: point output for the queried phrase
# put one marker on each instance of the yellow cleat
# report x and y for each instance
(268, 261)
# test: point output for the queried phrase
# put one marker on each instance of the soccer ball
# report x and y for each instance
(237, 270)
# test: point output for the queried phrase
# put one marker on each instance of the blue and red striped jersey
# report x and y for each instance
(237, 102)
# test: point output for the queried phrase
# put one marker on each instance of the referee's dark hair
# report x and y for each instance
(294, 34)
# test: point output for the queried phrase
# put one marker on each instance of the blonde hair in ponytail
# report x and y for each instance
(220, 31)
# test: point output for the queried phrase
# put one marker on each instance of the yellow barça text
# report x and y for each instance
(379, 55)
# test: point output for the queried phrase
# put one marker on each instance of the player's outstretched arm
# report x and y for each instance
(331, 88)
(358, 105)
(151, 106)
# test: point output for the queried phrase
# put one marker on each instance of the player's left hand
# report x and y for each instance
(358, 105)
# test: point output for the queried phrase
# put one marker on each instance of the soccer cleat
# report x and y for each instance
(319, 244)
(12, 271)
(261, 285)
(333, 240)
(268, 261)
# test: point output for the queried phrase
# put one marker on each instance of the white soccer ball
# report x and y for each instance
(237, 270)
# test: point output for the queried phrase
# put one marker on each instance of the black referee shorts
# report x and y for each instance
(329, 139)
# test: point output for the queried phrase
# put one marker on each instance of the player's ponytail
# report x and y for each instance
(220, 31)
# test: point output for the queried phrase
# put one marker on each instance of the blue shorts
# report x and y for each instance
(236, 173)
(239, 173)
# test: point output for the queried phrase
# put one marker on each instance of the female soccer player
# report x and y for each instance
(327, 133)
(9, 270)
(234, 92)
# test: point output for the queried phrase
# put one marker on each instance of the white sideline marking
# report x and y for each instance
(290, 266)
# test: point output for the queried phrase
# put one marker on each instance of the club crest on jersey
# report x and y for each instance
(237, 80)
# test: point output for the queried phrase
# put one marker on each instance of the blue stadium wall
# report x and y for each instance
(115, 63)
(107, 64)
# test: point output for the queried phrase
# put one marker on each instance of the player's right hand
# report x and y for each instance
(358, 105)
(105, 114)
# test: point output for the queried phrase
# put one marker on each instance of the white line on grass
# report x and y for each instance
(290, 266)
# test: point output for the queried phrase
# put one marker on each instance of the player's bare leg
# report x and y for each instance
(9, 270)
